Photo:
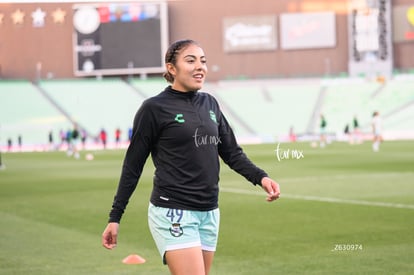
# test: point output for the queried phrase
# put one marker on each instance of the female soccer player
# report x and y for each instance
(185, 132)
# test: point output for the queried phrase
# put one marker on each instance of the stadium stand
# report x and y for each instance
(402, 121)
(270, 108)
(344, 100)
(96, 104)
(397, 105)
(393, 99)
(25, 112)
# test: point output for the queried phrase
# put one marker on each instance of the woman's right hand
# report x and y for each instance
(110, 234)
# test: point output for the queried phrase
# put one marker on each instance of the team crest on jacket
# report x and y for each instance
(213, 116)
(176, 230)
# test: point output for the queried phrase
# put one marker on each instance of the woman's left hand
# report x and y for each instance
(272, 189)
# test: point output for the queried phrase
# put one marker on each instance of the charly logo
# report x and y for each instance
(179, 118)
(176, 230)
(213, 116)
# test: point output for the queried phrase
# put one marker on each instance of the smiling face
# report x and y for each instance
(189, 70)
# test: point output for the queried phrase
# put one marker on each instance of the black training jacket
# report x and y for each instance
(185, 134)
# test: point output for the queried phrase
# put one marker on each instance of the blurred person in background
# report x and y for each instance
(356, 133)
(103, 137)
(129, 134)
(75, 141)
(117, 137)
(185, 132)
(376, 131)
(9, 144)
(72, 139)
(347, 134)
(20, 142)
(50, 139)
(84, 136)
(322, 131)
(68, 140)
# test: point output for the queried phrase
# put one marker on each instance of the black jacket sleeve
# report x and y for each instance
(143, 135)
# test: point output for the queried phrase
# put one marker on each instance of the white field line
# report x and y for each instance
(346, 176)
(322, 199)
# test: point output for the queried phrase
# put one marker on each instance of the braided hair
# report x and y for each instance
(172, 52)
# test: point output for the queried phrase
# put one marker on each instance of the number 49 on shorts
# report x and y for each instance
(175, 215)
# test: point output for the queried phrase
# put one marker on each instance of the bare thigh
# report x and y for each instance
(189, 261)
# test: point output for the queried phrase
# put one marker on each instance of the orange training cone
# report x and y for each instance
(133, 259)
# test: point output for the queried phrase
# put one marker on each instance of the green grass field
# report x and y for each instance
(343, 210)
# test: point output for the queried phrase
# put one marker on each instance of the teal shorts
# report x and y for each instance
(177, 229)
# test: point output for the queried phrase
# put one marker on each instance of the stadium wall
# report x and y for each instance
(31, 52)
